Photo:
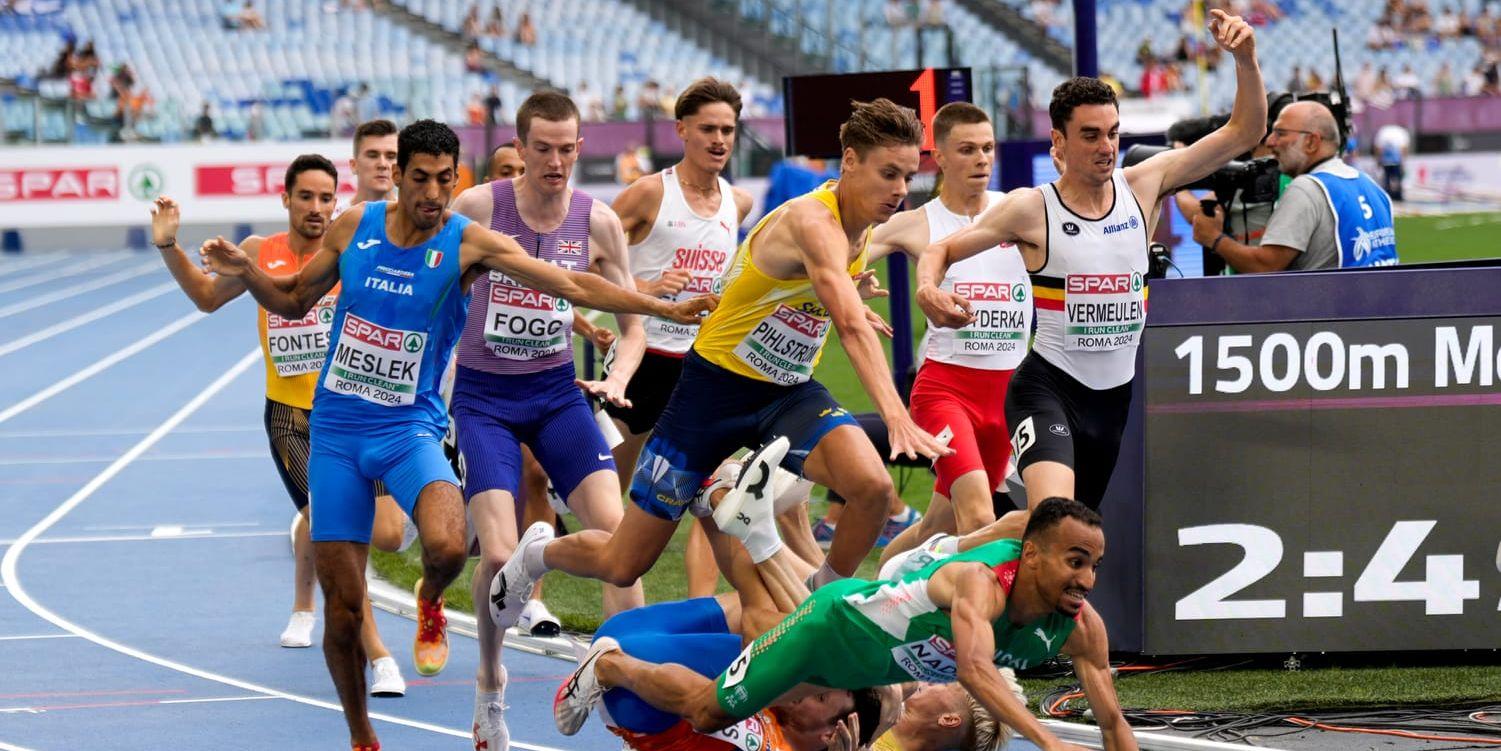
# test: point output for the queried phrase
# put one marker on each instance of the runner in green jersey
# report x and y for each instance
(1004, 604)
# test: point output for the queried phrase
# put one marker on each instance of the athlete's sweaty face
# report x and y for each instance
(811, 721)
(310, 204)
(966, 155)
(505, 164)
(426, 187)
(881, 179)
(1091, 143)
(550, 149)
(1068, 557)
(709, 136)
(375, 162)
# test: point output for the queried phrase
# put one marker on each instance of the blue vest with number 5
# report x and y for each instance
(1362, 220)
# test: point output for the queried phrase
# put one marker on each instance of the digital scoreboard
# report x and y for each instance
(818, 105)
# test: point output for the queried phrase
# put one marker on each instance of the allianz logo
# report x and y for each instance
(1131, 223)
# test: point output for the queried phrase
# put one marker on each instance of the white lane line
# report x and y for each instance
(122, 527)
(215, 699)
(94, 432)
(52, 275)
(96, 368)
(163, 457)
(191, 535)
(10, 747)
(79, 320)
(8, 266)
(74, 290)
(11, 579)
(29, 637)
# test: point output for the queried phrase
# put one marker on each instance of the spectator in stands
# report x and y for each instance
(1443, 81)
(1365, 81)
(1406, 83)
(344, 116)
(1492, 78)
(250, 18)
(1384, 95)
(474, 58)
(620, 104)
(203, 127)
(590, 105)
(229, 14)
(493, 112)
(1314, 81)
(1153, 79)
(526, 33)
(495, 27)
(255, 122)
(471, 28)
(1382, 35)
(1391, 145)
(1447, 25)
(1144, 53)
(121, 83)
(1417, 22)
(474, 111)
(1295, 83)
(649, 99)
(896, 13)
(62, 65)
(1044, 13)
(932, 15)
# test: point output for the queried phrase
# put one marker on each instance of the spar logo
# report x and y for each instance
(62, 184)
(382, 337)
(991, 291)
(265, 179)
(810, 326)
(529, 299)
(1103, 284)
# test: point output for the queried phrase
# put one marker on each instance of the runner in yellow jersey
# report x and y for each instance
(748, 379)
(294, 351)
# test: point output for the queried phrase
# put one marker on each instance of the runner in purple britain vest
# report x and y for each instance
(515, 381)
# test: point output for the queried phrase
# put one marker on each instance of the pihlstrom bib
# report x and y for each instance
(294, 350)
(770, 329)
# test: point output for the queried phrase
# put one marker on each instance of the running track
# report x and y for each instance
(146, 568)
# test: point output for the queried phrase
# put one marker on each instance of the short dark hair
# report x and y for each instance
(426, 137)
(553, 106)
(1052, 511)
(956, 113)
(868, 711)
(308, 162)
(1076, 91)
(372, 129)
(706, 90)
(879, 123)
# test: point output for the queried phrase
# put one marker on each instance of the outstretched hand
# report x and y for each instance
(693, 309)
(945, 309)
(869, 285)
(223, 257)
(1232, 34)
(166, 218)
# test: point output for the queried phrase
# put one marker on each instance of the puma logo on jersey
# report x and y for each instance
(1043, 636)
(278, 263)
(367, 244)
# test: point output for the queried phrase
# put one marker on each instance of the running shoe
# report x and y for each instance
(895, 527)
(725, 476)
(430, 648)
(512, 586)
(915, 559)
(749, 502)
(823, 533)
(537, 620)
(408, 533)
(577, 696)
(490, 730)
(385, 678)
(299, 631)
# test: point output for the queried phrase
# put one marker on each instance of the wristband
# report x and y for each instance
(168, 244)
(1215, 247)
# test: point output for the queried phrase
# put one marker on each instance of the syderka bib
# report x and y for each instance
(1091, 294)
(682, 239)
(397, 318)
(294, 350)
(995, 283)
(513, 328)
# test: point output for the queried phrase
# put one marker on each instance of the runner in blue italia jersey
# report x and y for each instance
(404, 268)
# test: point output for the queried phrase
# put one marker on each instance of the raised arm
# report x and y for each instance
(974, 599)
(290, 296)
(208, 293)
(1000, 224)
(1090, 649)
(499, 252)
(607, 246)
(1169, 170)
(824, 249)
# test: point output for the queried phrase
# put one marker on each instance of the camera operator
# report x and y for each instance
(1249, 206)
(1330, 216)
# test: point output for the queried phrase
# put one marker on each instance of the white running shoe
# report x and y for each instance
(725, 476)
(512, 587)
(385, 678)
(749, 502)
(577, 696)
(408, 533)
(490, 730)
(915, 559)
(299, 631)
(537, 620)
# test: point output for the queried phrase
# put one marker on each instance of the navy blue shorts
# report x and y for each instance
(712, 414)
(494, 414)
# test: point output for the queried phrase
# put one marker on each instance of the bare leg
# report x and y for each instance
(304, 575)
(494, 515)
(940, 518)
(596, 501)
(534, 505)
(440, 522)
(620, 558)
(797, 533)
(341, 570)
(627, 453)
(846, 462)
(971, 501)
(390, 522)
(698, 563)
(370, 636)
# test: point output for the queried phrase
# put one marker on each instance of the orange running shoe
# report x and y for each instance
(430, 649)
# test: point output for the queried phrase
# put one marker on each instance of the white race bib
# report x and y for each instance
(931, 659)
(1103, 312)
(1000, 325)
(784, 345)
(747, 735)
(377, 364)
(524, 324)
(300, 347)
